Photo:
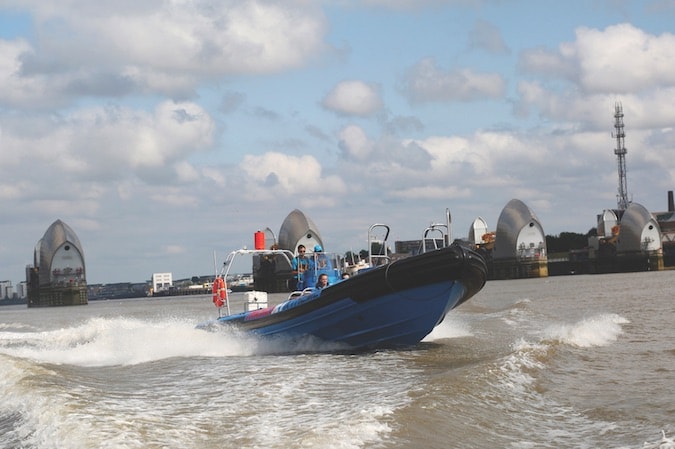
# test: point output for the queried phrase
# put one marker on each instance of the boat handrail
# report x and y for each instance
(228, 263)
(435, 228)
(378, 259)
(286, 254)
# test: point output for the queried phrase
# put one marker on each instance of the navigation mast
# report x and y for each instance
(620, 151)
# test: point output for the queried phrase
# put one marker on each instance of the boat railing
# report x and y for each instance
(433, 234)
(378, 251)
(229, 261)
(444, 230)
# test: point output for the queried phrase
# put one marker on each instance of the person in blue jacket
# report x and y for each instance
(299, 265)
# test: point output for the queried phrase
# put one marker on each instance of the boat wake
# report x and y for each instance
(126, 382)
(128, 341)
(451, 327)
(663, 443)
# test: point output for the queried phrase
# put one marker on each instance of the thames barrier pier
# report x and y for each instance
(57, 276)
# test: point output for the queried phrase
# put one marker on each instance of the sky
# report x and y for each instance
(162, 131)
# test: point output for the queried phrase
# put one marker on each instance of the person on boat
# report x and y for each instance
(299, 265)
(322, 282)
(265, 275)
(320, 260)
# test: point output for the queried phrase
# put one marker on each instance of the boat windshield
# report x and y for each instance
(320, 263)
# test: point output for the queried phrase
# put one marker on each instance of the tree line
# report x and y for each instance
(567, 241)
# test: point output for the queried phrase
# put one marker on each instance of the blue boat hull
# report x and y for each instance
(393, 305)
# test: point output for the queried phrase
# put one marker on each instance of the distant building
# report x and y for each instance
(57, 276)
(161, 281)
(408, 247)
(6, 290)
(22, 290)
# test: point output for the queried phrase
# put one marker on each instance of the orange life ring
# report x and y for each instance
(222, 294)
(219, 292)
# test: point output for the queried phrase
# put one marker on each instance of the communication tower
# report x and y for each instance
(620, 151)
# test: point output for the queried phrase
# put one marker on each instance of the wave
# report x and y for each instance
(520, 380)
(599, 330)
(76, 399)
(527, 357)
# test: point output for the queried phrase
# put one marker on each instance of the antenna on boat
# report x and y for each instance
(448, 221)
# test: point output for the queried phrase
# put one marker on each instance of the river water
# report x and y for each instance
(559, 362)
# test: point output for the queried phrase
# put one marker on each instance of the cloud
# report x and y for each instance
(601, 67)
(623, 58)
(266, 114)
(18, 89)
(595, 111)
(620, 59)
(107, 143)
(353, 98)
(164, 47)
(405, 5)
(433, 192)
(355, 144)
(549, 63)
(486, 36)
(276, 175)
(426, 82)
(231, 101)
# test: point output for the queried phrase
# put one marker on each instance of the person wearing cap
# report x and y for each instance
(320, 259)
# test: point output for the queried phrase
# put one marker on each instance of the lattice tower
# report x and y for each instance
(620, 151)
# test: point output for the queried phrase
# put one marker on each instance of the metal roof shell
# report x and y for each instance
(639, 230)
(57, 235)
(299, 229)
(514, 217)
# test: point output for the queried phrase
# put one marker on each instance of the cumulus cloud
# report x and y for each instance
(426, 82)
(278, 175)
(619, 59)
(166, 47)
(18, 88)
(355, 144)
(623, 58)
(112, 142)
(620, 63)
(353, 98)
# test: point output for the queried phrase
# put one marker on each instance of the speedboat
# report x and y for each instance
(390, 305)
